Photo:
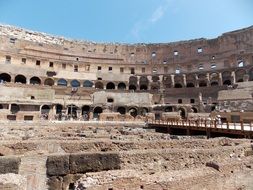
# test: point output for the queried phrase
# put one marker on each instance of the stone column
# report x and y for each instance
(197, 80)
(208, 79)
(220, 79)
(184, 80)
(149, 81)
(233, 77)
(172, 81)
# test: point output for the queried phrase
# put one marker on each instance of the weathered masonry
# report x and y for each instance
(47, 77)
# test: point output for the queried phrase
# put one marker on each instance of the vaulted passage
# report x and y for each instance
(4, 77)
(20, 79)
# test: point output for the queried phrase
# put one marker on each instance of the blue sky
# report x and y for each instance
(129, 21)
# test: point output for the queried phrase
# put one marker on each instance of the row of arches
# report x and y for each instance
(144, 82)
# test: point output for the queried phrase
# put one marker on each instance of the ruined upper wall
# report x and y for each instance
(199, 51)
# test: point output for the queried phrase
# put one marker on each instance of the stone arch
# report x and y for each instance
(190, 85)
(144, 83)
(110, 86)
(35, 80)
(178, 85)
(99, 85)
(182, 112)
(5, 77)
(15, 108)
(133, 111)
(132, 87)
(144, 111)
(20, 79)
(227, 82)
(49, 82)
(62, 82)
(88, 84)
(167, 81)
(75, 83)
(121, 110)
(97, 111)
(155, 78)
(239, 75)
(45, 109)
(72, 110)
(58, 108)
(143, 87)
(202, 83)
(194, 110)
(85, 112)
(122, 86)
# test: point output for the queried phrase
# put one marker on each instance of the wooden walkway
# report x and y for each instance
(210, 128)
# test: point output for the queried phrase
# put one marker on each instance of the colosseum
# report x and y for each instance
(110, 116)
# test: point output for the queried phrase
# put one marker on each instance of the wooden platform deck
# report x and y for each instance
(210, 128)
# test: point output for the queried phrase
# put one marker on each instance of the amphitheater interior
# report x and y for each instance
(74, 114)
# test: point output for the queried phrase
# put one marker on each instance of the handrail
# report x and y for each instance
(203, 123)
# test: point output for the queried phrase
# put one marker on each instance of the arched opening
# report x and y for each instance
(35, 80)
(227, 82)
(133, 79)
(182, 113)
(214, 83)
(20, 79)
(190, 85)
(132, 87)
(62, 82)
(4, 77)
(178, 85)
(58, 108)
(1, 107)
(99, 85)
(155, 78)
(202, 84)
(85, 112)
(133, 112)
(194, 110)
(49, 82)
(143, 87)
(85, 109)
(121, 86)
(144, 111)
(168, 109)
(239, 74)
(75, 83)
(14, 108)
(87, 84)
(110, 86)
(45, 109)
(97, 111)
(121, 110)
(72, 111)
(144, 83)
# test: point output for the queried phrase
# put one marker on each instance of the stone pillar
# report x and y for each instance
(172, 81)
(208, 79)
(233, 77)
(197, 80)
(220, 79)
(149, 81)
(161, 82)
(138, 82)
(184, 80)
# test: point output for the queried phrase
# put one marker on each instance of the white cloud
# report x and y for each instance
(156, 15)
